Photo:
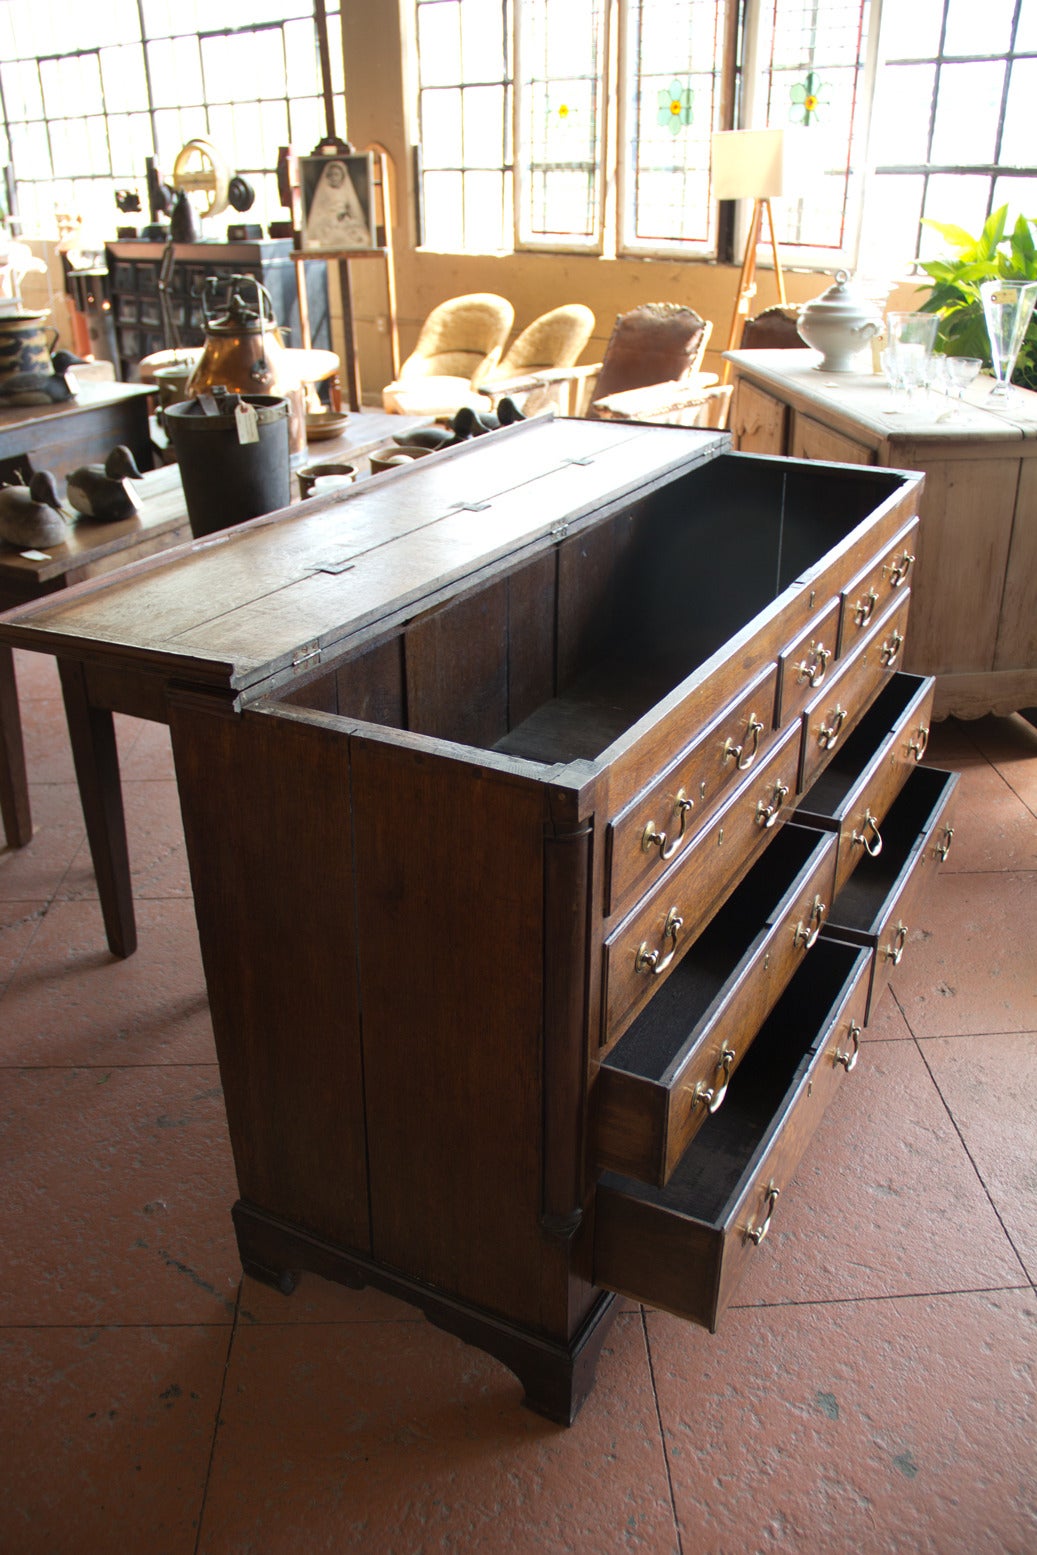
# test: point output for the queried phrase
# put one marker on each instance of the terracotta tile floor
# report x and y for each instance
(870, 1391)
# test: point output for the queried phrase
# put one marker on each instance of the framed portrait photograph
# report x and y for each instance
(338, 202)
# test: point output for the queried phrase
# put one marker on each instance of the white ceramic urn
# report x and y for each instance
(839, 324)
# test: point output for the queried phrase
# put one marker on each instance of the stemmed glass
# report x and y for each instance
(1007, 308)
(960, 372)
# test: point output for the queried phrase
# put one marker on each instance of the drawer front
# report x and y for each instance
(654, 937)
(835, 710)
(876, 587)
(860, 833)
(642, 1127)
(650, 835)
(657, 1247)
(879, 906)
(807, 663)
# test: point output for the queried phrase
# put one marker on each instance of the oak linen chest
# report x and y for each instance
(554, 818)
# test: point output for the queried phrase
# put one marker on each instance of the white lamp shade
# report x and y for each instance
(749, 164)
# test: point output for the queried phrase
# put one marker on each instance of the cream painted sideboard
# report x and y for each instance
(974, 616)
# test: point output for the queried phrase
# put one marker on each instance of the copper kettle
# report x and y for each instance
(244, 351)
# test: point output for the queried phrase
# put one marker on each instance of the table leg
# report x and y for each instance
(92, 733)
(14, 786)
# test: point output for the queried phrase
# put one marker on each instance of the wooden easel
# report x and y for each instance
(342, 259)
(747, 279)
(383, 231)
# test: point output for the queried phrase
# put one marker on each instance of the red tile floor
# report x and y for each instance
(870, 1391)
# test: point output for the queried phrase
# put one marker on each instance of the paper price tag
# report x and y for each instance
(127, 486)
(247, 423)
(35, 556)
(72, 382)
(1003, 296)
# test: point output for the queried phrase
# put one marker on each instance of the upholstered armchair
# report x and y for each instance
(537, 369)
(459, 346)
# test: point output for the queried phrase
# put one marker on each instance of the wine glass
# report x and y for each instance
(1007, 308)
(960, 372)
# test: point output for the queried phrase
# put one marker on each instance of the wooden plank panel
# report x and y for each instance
(456, 670)
(450, 920)
(266, 816)
(966, 510)
(759, 421)
(1017, 634)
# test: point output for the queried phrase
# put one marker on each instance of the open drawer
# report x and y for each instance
(878, 903)
(853, 793)
(670, 1070)
(685, 1247)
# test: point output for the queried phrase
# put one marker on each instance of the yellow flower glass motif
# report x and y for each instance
(675, 106)
(807, 99)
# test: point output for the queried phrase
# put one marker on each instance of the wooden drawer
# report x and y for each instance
(878, 903)
(685, 1247)
(652, 832)
(810, 439)
(853, 793)
(669, 1072)
(876, 586)
(806, 663)
(835, 710)
(654, 937)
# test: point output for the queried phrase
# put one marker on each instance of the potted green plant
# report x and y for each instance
(955, 290)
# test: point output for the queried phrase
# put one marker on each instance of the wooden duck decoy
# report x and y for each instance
(31, 516)
(97, 490)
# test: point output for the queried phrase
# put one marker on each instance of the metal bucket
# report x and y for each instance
(225, 480)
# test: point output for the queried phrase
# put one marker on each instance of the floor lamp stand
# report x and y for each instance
(747, 280)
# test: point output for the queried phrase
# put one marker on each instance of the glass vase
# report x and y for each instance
(1007, 309)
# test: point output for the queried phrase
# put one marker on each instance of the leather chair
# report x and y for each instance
(651, 370)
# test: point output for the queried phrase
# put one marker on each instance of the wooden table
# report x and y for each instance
(974, 617)
(60, 438)
(96, 548)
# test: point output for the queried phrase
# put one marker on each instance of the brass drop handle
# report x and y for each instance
(813, 668)
(711, 1096)
(766, 815)
(917, 746)
(651, 837)
(756, 1234)
(891, 649)
(806, 933)
(899, 569)
(865, 608)
(653, 960)
(829, 733)
(849, 1060)
(753, 731)
(895, 951)
(943, 848)
(860, 839)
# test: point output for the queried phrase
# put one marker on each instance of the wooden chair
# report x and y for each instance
(459, 346)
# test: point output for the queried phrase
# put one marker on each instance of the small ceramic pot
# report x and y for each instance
(389, 458)
(839, 324)
(316, 479)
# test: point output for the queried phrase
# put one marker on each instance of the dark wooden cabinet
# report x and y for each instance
(525, 992)
(133, 277)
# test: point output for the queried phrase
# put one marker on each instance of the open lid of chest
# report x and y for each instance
(576, 544)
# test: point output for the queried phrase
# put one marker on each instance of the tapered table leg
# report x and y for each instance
(92, 733)
(14, 786)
